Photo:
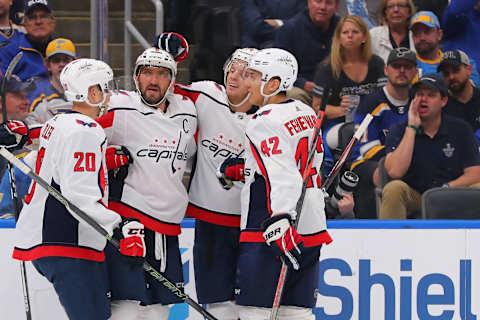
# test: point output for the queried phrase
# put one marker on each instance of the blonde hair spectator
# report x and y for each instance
(337, 55)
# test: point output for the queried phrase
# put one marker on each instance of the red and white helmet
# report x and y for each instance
(154, 57)
(243, 55)
(275, 63)
(79, 75)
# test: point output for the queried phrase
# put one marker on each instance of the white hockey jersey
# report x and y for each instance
(221, 135)
(160, 144)
(279, 138)
(71, 157)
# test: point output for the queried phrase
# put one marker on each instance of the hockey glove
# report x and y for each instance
(173, 43)
(13, 135)
(232, 169)
(131, 237)
(284, 239)
(117, 159)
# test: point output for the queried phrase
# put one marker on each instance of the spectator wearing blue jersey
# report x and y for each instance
(261, 19)
(48, 98)
(427, 36)
(9, 32)
(461, 25)
(388, 105)
(308, 36)
(429, 149)
(39, 25)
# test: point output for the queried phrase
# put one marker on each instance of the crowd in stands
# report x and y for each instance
(413, 65)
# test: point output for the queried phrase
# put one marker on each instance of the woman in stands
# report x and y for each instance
(394, 16)
(351, 71)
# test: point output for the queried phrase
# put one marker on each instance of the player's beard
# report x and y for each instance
(153, 99)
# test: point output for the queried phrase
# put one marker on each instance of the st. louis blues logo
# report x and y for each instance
(87, 124)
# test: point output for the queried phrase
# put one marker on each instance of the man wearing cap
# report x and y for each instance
(9, 32)
(388, 105)
(464, 98)
(427, 35)
(39, 25)
(17, 109)
(48, 99)
(430, 149)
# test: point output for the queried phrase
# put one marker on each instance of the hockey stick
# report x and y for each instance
(94, 224)
(13, 186)
(277, 299)
(348, 150)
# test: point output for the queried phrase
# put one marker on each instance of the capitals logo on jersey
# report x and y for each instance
(87, 124)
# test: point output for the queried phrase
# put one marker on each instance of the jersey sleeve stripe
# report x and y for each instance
(58, 251)
(106, 121)
(213, 217)
(263, 170)
(163, 227)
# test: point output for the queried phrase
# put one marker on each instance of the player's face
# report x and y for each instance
(17, 105)
(153, 83)
(400, 73)
(236, 85)
(57, 62)
(425, 39)
(397, 12)
(350, 36)
(254, 82)
(39, 24)
(431, 102)
(456, 77)
(321, 11)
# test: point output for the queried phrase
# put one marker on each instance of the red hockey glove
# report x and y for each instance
(173, 43)
(232, 169)
(287, 241)
(13, 135)
(117, 156)
(131, 236)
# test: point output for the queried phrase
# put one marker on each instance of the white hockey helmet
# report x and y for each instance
(79, 75)
(243, 55)
(155, 57)
(275, 63)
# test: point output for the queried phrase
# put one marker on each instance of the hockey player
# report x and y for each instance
(279, 137)
(157, 127)
(71, 157)
(223, 114)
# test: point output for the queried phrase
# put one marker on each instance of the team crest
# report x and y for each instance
(87, 124)
(401, 110)
(448, 150)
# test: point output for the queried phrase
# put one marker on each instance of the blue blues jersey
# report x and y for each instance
(385, 115)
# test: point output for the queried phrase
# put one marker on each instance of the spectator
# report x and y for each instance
(17, 109)
(461, 25)
(39, 24)
(9, 32)
(48, 99)
(427, 35)
(388, 105)
(308, 37)
(352, 71)
(262, 18)
(428, 150)
(464, 98)
(393, 33)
